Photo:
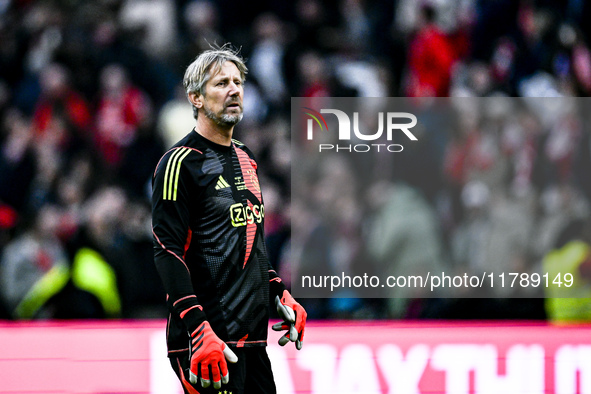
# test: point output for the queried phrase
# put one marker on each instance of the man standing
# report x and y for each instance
(207, 218)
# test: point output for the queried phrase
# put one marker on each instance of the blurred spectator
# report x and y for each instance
(122, 108)
(569, 298)
(267, 57)
(140, 158)
(313, 25)
(61, 114)
(472, 234)
(403, 239)
(93, 269)
(583, 162)
(34, 268)
(153, 22)
(314, 76)
(494, 236)
(45, 24)
(133, 260)
(330, 231)
(201, 19)
(561, 143)
(313, 19)
(17, 160)
(430, 59)
(12, 53)
(112, 257)
(559, 205)
(356, 25)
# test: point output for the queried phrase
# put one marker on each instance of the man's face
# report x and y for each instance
(222, 101)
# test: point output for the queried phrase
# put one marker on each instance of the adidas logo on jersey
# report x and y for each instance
(222, 184)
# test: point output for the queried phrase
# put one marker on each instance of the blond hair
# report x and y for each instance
(208, 64)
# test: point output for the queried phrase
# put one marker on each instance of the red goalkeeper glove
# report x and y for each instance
(294, 319)
(209, 351)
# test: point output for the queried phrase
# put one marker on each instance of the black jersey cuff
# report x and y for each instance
(276, 288)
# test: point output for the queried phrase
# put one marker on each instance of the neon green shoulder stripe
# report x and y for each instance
(171, 173)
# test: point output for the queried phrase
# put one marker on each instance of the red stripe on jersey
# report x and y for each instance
(183, 313)
(251, 230)
(188, 242)
(242, 341)
(184, 298)
(179, 350)
(157, 165)
(249, 173)
(246, 342)
(170, 251)
(168, 327)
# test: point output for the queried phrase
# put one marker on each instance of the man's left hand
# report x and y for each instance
(294, 319)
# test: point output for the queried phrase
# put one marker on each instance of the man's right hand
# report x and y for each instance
(209, 352)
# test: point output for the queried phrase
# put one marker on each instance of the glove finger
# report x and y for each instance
(192, 377)
(285, 312)
(193, 371)
(205, 381)
(280, 326)
(293, 333)
(224, 372)
(215, 376)
(229, 355)
(283, 340)
(223, 367)
(301, 333)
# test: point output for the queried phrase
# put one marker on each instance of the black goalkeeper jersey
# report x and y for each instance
(207, 224)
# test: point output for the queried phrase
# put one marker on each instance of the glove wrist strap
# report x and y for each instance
(191, 313)
(276, 289)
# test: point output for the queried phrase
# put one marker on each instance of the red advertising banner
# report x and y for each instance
(337, 357)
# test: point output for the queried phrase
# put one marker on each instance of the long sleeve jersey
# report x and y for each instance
(207, 223)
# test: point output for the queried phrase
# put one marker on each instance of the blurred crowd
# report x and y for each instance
(91, 96)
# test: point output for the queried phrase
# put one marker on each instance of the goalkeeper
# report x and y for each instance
(209, 249)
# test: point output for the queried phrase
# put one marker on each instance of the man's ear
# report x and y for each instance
(196, 99)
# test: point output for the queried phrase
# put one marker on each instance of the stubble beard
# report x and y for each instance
(224, 119)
